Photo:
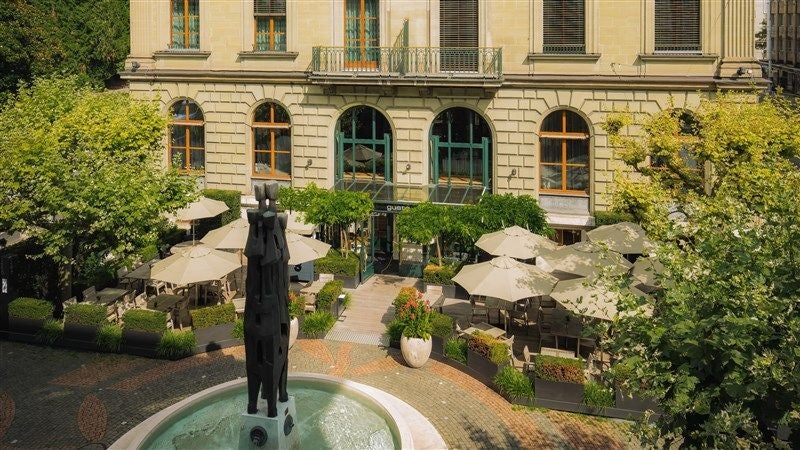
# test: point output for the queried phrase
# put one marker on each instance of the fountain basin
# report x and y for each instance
(332, 413)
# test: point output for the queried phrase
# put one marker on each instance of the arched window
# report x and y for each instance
(461, 149)
(272, 142)
(564, 142)
(187, 136)
(363, 145)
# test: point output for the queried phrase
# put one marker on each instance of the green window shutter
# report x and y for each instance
(677, 26)
(564, 26)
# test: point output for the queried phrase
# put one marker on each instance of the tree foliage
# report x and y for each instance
(42, 37)
(337, 209)
(82, 173)
(721, 351)
(424, 223)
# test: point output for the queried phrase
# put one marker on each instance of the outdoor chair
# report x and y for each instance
(528, 355)
(478, 309)
(140, 301)
(516, 363)
(238, 303)
(90, 294)
(157, 287)
(435, 297)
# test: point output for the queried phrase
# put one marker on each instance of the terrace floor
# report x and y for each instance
(59, 398)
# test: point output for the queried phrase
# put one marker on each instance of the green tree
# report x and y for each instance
(424, 223)
(721, 350)
(338, 209)
(82, 172)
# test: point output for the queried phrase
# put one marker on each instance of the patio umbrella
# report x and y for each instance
(295, 224)
(361, 153)
(581, 259)
(201, 208)
(623, 237)
(195, 264)
(303, 249)
(586, 299)
(505, 279)
(646, 275)
(231, 236)
(516, 242)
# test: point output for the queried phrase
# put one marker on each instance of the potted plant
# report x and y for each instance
(441, 329)
(27, 315)
(558, 380)
(514, 386)
(142, 330)
(82, 321)
(297, 305)
(416, 343)
(485, 354)
(213, 325)
(441, 275)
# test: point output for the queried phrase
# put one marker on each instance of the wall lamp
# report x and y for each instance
(308, 163)
(513, 173)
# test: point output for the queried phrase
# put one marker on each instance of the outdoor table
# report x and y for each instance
(556, 352)
(164, 302)
(110, 295)
(486, 328)
(571, 330)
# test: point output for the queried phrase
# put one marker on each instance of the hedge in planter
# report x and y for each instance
(145, 320)
(85, 314)
(317, 323)
(456, 349)
(435, 274)
(30, 308)
(213, 315)
(489, 347)
(553, 368)
(598, 396)
(337, 264)
(328, 294)
(514, 384)
(109, 338)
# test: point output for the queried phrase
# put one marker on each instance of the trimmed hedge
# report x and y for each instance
(441, 325)
(328, 294)
(513, 383)
(337, 264)
(553, 368)
(175, 344)
(85, 314)
(145, 320)
(434, 274)
(30, 308)
(231, 198)
(318, 323)
(213, 315)
(488, 347)
(611, 217)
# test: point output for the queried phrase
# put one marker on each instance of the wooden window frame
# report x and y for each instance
(270, 34)
(186, 33)
(272, 151)
(363, 62)
(187, 147)
(565, 136)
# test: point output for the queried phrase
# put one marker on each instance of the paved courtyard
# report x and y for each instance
(56, 398)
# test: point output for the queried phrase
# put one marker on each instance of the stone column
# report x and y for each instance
(738, 36)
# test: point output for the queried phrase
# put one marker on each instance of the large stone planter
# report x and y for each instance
(25, 326)
(557, 391)
(482, 366)
(214, 338)
(348, 281)
(140, 343)
(415, 351)
(635, 403)
(294, 329)
(437, 345)
(78, 332)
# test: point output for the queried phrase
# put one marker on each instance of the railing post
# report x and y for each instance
(315, 59)
(499, 62)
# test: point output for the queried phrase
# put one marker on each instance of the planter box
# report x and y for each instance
(483, 367)
(214, 338)
(25, 326)
(518, 401)
(77, 332)
(558, 391)
(349, 281)
(438, 345)
(411, 270)
(635, 403)
(140, 343)
(449, 291)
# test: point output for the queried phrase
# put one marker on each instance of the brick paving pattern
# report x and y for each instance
(56, 398)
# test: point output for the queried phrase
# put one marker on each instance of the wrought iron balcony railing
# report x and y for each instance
(409, 61)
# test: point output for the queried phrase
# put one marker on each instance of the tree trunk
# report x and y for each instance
(65, 275)
(438, 250)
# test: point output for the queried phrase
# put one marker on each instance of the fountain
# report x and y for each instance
(334, 413)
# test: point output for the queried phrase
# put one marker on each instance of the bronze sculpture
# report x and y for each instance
(266, 311)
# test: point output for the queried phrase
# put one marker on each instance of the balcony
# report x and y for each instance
(408, 66)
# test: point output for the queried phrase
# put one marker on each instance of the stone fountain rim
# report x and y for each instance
(405, 417)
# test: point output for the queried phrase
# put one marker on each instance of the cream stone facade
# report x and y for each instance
(618, 69)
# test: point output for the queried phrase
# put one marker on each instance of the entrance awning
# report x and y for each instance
(383, 192)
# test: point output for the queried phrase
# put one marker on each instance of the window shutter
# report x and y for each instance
(458, 23)
(564, 25)
(677, 26)
(270, 7)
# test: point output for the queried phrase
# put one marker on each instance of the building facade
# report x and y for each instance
(415, 100)
(785, 52)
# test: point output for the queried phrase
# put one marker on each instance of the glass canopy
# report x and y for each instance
(383, 192)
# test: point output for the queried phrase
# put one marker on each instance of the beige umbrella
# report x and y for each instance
(623, 237)
(581, 259)
(505, 279)
(303, 249)
(201, 208)
(295, 224)
(647, 273)
(195, 264)
(516, 242)
(587, 299)
(232, 236)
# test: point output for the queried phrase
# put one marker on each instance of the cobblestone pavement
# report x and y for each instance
(56, 398)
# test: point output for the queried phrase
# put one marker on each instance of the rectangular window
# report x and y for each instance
(458, 35)
(270, 16)
(361, 34)
(185, 18)
(564, 27)
(677, 25)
